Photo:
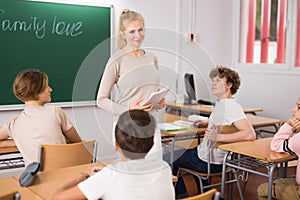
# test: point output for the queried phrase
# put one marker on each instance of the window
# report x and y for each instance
(269, 33)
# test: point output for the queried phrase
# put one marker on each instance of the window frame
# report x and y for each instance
(291, 35)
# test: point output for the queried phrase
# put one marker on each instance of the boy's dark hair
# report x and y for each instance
(230, 75)
(29, 83)
(135, 132)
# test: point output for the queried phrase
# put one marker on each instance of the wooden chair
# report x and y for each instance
(14, 195)
(212, 194)
(207, 176)
(53, 156)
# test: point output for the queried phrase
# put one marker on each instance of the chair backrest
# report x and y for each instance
(53, 156)
(212, 194)
(205, 176)
(14, 195)
(223, 129)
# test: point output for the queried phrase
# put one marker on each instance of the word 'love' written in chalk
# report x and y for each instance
(39, 27)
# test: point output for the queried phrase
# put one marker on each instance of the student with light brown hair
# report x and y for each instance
(227, 111)
(37, 123)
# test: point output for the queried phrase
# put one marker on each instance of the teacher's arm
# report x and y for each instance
(161, 104)
(109, 79)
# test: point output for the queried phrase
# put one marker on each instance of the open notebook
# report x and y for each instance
(170, 127)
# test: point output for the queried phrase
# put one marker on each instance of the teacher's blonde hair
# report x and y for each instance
(126, 17)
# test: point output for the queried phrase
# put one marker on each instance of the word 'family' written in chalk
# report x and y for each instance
(39, 26)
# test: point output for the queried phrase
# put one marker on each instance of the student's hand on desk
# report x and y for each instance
(200, 124)
(212, 134)
(81, 177)
(136, 106)
(96, 169)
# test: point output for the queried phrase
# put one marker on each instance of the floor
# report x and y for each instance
(253, 182)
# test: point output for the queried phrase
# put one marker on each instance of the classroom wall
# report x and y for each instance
(167, 22)
(274, 92)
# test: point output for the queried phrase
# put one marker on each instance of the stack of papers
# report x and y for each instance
(194, 118)
(170, 127)
(183, 123)
(155, 97)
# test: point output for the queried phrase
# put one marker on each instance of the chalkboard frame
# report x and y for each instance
(71, 103)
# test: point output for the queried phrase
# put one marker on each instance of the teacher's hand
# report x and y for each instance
(136, 106)
(161, 104)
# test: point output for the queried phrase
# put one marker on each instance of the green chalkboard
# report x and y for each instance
(71, 43)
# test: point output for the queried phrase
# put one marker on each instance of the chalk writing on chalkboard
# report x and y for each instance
(56, 38)
(38, 26)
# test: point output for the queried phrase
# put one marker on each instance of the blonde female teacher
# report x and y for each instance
(133, 72)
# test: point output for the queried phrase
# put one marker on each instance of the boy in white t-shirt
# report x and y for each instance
(132, 178)
(37, 124)
(225, 83)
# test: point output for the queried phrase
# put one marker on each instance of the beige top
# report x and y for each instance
(132, 77)
(37, 125)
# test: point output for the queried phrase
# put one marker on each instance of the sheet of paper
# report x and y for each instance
(155, 97)
(194, 118)
(170, 127)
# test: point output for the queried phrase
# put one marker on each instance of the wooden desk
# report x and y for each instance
(192, 133)
(47, 182)
(169, 118)
(259, 121)
(188, 138)
(257, 154)
(6, 150)
(255, 121)
(205, 109)
(10, 184)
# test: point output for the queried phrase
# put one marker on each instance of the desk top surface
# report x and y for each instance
(10, 185)
(206, 108)
(5, 150)
(47, 182)
(259, 149)
(168, 118)
(256, 121)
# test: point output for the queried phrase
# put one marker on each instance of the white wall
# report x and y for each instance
(274, 93)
